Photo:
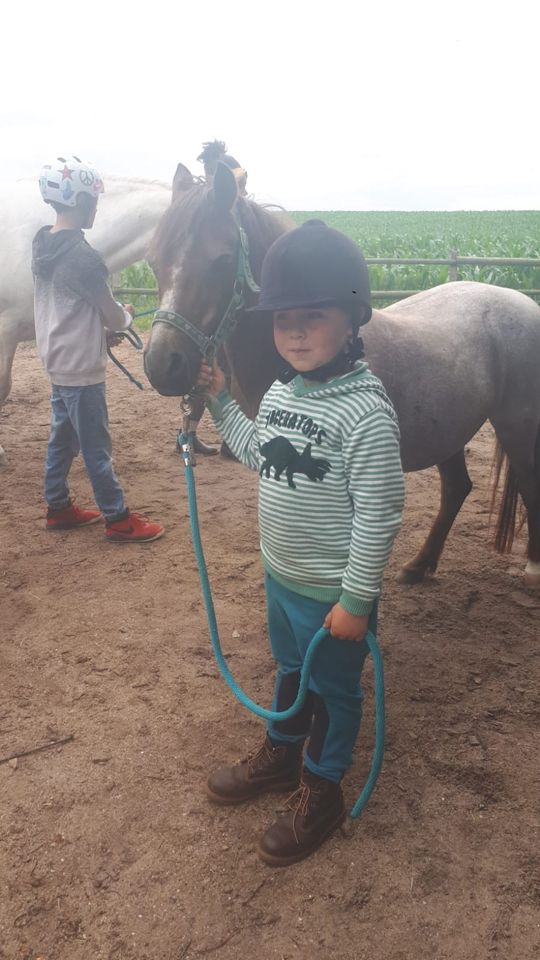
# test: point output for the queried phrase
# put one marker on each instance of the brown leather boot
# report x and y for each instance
(315, 810)
(270, 769)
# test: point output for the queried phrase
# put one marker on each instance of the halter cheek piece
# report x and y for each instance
(193, 405)
(208, 345)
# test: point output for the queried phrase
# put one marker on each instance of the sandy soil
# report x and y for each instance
(108, 848)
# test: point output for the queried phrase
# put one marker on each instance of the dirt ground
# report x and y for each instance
(109, 850)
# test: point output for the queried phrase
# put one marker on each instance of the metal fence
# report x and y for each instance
(453, 262)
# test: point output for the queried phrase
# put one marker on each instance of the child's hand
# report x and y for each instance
(129, 308)
(211, 378)
(344, 625)
(113, 339)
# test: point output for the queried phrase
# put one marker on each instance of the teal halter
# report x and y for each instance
(244, 281)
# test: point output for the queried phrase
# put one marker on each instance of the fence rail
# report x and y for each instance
(461, 261)
(453, 262)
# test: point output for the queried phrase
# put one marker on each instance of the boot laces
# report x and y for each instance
(302, 802)
(259, 759)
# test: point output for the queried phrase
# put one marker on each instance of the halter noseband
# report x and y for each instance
(244, 281)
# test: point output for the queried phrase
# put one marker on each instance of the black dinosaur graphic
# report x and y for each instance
(280, 454)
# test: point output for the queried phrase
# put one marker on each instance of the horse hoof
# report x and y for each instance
(203, 449)
(532, 575)
(227, 453)
(411, 575)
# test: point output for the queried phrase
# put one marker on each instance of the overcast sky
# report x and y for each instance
(333, 105)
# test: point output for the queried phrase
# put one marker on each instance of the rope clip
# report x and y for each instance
(186, 449)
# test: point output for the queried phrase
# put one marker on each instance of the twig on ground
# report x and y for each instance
(46, 746)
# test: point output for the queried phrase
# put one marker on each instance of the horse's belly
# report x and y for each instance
(425, 443)
(17, 323)
(439, 408)
(443, 385)
(437, 422)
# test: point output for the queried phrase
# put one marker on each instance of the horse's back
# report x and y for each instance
(446, 356)
(23, 213)
(127, 216)
(463, 302)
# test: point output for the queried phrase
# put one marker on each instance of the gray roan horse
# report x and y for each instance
(450, 358)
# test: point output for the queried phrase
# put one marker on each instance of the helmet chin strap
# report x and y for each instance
(342, 363)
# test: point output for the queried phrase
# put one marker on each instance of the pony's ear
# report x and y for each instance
(182, 180)
(225, 188)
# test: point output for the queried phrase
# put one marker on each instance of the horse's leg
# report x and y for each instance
(520, 440)
(455, 487)
(532, 570)
(8, 345)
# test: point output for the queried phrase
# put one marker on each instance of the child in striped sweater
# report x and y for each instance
(326, 445)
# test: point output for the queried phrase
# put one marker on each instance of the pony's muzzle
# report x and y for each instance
(170, 373)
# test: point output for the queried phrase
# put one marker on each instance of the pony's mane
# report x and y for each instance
(178, 222)
(263, 224)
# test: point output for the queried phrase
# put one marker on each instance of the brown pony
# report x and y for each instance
(450, 358)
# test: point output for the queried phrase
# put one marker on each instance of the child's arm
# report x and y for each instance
(113, 315)
(90, 281)
(376, 486)
(239, 432)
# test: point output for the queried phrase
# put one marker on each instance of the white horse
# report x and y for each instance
(127, 216)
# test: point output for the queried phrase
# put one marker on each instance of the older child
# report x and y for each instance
(75, 314)
(326, 445)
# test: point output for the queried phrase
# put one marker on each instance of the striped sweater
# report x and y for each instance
(331, 484)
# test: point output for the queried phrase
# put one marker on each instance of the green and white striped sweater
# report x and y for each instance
(331, 489)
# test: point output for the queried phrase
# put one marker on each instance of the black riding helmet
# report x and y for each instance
(315, 266)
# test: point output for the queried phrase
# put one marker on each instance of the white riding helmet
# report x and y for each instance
(63, 180)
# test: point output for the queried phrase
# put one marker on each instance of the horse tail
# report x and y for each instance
(506, 517)
(537, 459)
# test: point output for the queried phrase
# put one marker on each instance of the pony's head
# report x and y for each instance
(195, 255)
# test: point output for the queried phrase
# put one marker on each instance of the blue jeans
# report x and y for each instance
(332, 712)
(80, 423)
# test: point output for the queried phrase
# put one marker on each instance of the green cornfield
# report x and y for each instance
(502, 233)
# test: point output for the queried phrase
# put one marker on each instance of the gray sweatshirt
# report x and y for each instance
(73, 308)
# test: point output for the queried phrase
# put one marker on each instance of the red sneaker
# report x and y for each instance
(133, 529)
(70, 517)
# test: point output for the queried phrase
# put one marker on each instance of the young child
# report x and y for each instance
(76, 316)
(326, 445)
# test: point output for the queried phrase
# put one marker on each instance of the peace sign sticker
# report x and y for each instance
(86, 177)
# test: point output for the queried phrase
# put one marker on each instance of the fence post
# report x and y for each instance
(453, 267)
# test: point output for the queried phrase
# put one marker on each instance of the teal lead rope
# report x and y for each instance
(185, 445)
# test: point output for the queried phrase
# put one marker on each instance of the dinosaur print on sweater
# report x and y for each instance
(280, 454)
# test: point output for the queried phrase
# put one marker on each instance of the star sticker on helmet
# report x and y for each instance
(66, 172)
